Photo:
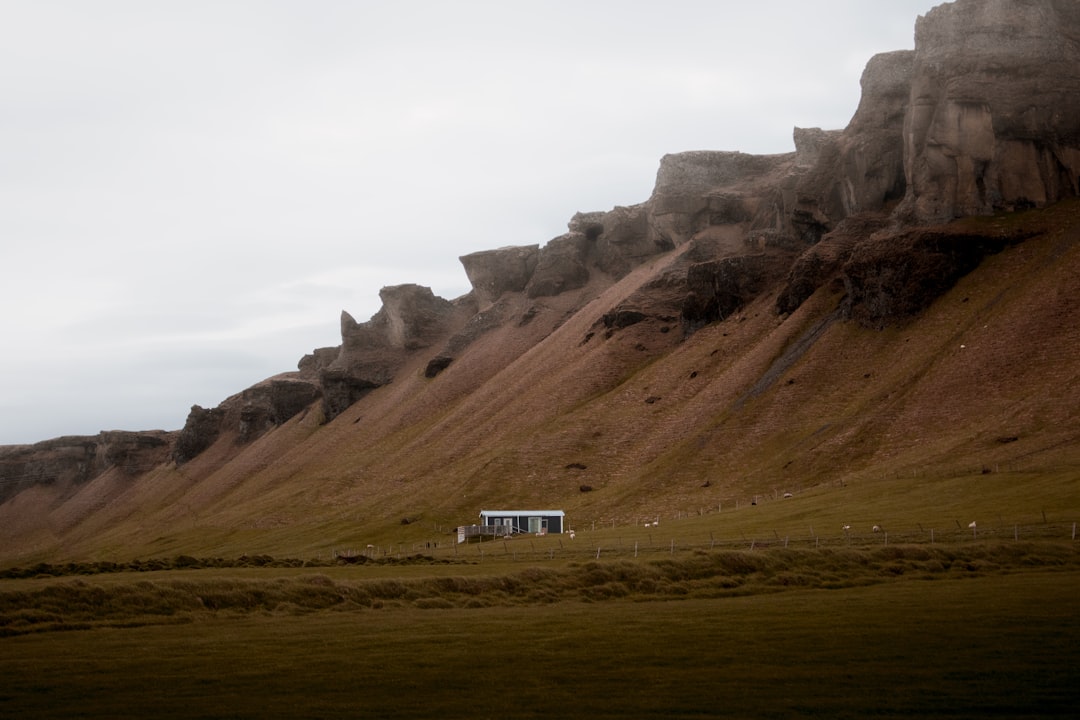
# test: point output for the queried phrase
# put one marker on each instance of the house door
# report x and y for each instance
(534, 524)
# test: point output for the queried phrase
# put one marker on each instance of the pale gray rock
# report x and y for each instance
(415, 316)
(994, 116)
(494, 272)
(561, 265)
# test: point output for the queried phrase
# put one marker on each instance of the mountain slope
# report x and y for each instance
(761, 325)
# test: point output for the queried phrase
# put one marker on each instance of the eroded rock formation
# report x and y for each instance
(994, 115)
(982, 116)
(75, 460)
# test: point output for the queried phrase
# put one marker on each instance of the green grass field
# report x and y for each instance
(766, 610)
(984, 629)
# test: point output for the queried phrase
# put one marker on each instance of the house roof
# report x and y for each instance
(548, 513)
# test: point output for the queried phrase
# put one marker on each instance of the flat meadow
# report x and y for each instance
(982, 628)
(785, 608)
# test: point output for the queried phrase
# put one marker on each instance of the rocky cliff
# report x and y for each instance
(69, 462)
(994, 113)
(981, 117)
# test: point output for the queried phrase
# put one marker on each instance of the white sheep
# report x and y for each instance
(972, 525)
(571, 534)
(877, 528)
(846, 528)
(648, 524)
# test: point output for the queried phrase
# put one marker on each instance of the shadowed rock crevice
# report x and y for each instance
(892, 277)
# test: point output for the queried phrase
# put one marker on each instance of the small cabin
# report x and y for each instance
(507, 523)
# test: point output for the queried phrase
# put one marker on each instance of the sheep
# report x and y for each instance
(648, 524)
(846, 528)
(571, 534)
(972, 525)
(877, 528)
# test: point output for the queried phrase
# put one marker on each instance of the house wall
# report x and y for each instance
(521, 522)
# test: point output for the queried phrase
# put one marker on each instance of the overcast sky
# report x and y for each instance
(191, 192)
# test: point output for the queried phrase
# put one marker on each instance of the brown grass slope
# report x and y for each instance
(985, 381)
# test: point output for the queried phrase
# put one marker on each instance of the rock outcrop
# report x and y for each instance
(411, 318)
(982, 116)
(561, 266)
(246, 415)
(994, 116)
(697, 190)
(892, 277)
(494, 272)
(201, 429)
(74, 460)
(859, 169)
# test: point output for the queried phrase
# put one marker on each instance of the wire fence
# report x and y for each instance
(639, 542)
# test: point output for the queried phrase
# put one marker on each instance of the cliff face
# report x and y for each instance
(981, 117)
(69, 462)
(994, 117)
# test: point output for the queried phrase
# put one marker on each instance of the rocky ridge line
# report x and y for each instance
(981, 117)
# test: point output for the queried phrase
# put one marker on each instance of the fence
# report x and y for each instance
(638, 541)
